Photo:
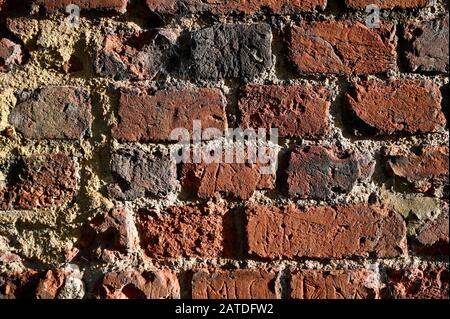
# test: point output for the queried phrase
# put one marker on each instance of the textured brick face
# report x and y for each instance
(10, 55)
(387, 4)
(433, 237)
(138, 173)
(186, 231)
(235, 180)
(231, 51)
(238, 284)
(117, 5)
(296, 111)
(335, 284)
(152, 117)
(161, 284)
(398, 106)
(55, 113)
(44, 181)
(324, 232)
(228, 6)
(425, 170)
(341, 47)
(318, 173)
(429, 43)
(137, 55)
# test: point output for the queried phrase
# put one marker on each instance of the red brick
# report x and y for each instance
(109, 237)
(401, 105)
(415, 283)
(152, 117)
(342, 47)
(296, 110)
(137, 54)
(186, 231)
(324, 232)
(11, 55)
(429, 45)
(56, 113)
(433, 238)
(234, 180)
(426, 170)
(160, 284)
(41, 181)
(117, 5)
(387, 4)
(235, 284)
(334, 284)
(228, 6)
(320, 173)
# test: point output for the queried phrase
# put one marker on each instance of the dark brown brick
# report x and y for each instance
(137, 54)
(55, 113)
(342, 47)
(235, 284)
(397, 106)
(152, 117)
(139, 173)
(109, 237)
(186, 231)
(334, 284)
(416, 283)
(316, 172)
(300, 111)
(116, 5)
(160, 284)
(18, 285)
(231, 51)
(426, 170)
(40, 181)
(11, 55)
(228, 6)
(387, 4)
(429, 45)
(324, 232)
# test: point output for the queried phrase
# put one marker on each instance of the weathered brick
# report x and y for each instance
(56, 113)
(11, 55)
(342, 47)
(387, 4)
(235, 284)
(397, 106)
(433, 237)
(429, 45)
(296, 110)
(235, 180)
(316, 172)
(40, 181)
(231, 51)
(116, 5)
(187, 231)
(160, 284)
(139, 173)
(415, 283)
(426, 170)
(18, 285)
(334, 284)
(152, 117)
(137, 54)
(228, 6)
(324, 232)
(109, 237)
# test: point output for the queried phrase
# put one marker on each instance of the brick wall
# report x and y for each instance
(92, 205)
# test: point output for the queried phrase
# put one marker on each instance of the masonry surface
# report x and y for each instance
(93, 206)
